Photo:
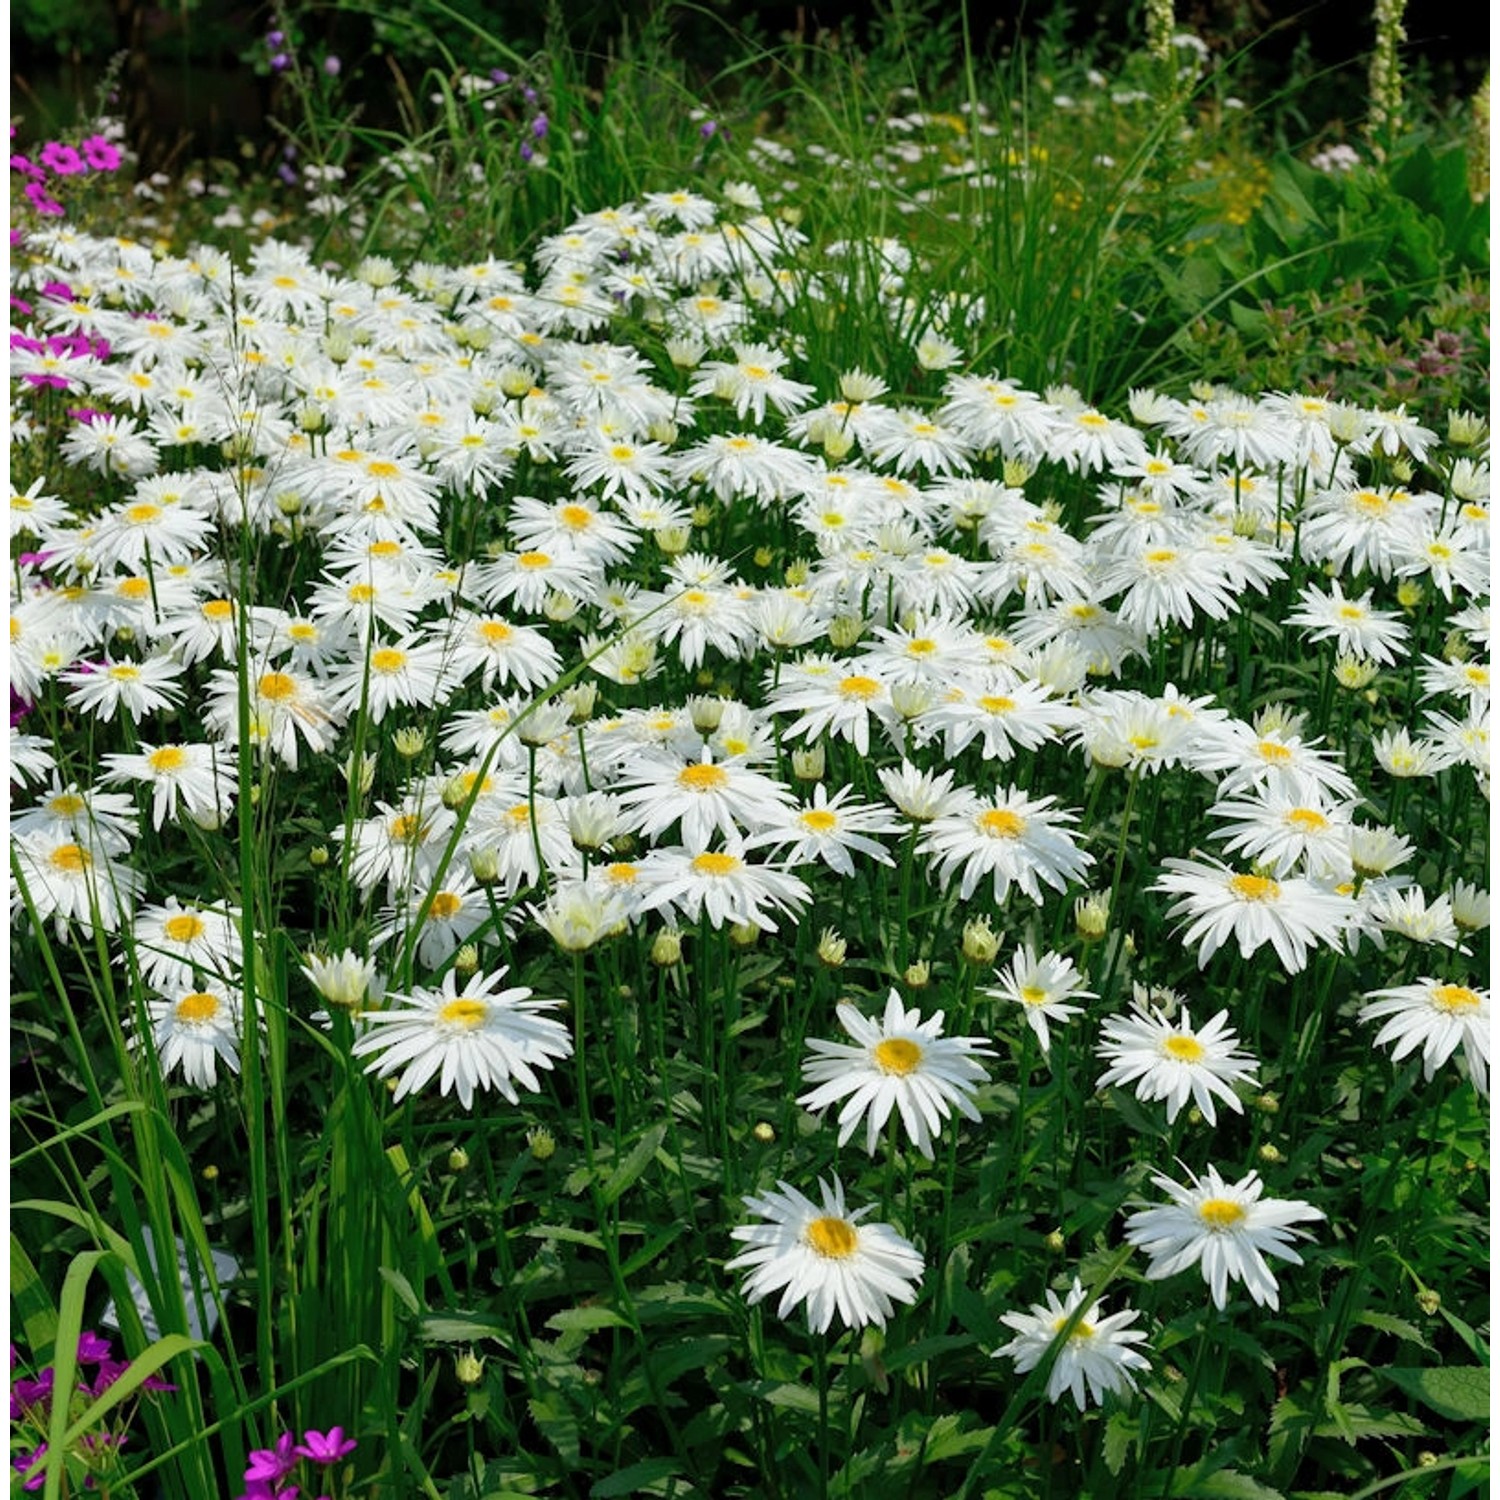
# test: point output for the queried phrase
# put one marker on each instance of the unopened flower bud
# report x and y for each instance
(832, 949)
(1055, 1242)
(1091, 915)
(703, 515)
(1354, 672)
(744, 934)
(808, 765)
(672, 540)
(1267, 1104)
(469, 1368)
(980, 944)
(1015, 472)
(838, 442)
(361, 776)
(763, 1132)
(210, 1173)
(845, 630)
(485, 866)
(1466, 428)
(918, 975)
(559, 607)
(1409, 593)
(541, 1144)
(580, 700)
(1269, 1153)
(666, 948)
(466, 960)
(764, 557)
(797, 573)
(707, 713)
(458, 1160)
(1429, 1301)
(409, 742)
(318, 857)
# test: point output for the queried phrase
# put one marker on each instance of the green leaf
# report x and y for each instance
(1227, 1484)
(34, 1307)
(1384, 1323)
(635, 1478)
(136, 1373)
(567, 1235)
(402, 1288)
(461, 1330)
(1459, 1392)
(1120, 1435)
(586, 1319)
(635, 1163)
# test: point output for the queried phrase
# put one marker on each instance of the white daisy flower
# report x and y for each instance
(471, 1039)
(1293, 915)
(195, 1030)
(1175, 1061)
(1438, 1018)
(1227, 1229)
(707, 797)
(136, 688)
(720, 883)
(1356, 627)
(900, 1063)
(828, 831)
(1016, 839)
(1096, 1360)
(1042, 987)
(825, 1257)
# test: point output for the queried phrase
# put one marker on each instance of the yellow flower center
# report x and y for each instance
(1033, 994)
(381, 468)
(702, 778)
(217, 609)
(580, 517)
(463, 1015)
(142, 515)
(388, 660)
(1455, 998)
(494, 632)
(1082, 1330)
(534, 560)
(833, 1239)
(1001, 823)
(405, 827)
(72, 859)
(859, 687)
(1160, 556)
(134, 588)
(445, 906)
(820, 820)
(993, 704)
(622, 453)
(622, 872)
(713, 863)
(168, 758)
(124, 672)
(1183, 1047)
(1274, 754)
(1255, 888)
(278, 687)
(921, 647)
(197, 1008)
(897, 1056)
(361, 593)
(1307, 820)
(66, 805)
(1221, 1213)
(184, 928)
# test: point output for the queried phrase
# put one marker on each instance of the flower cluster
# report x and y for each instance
(269, 1469)
(54, 160)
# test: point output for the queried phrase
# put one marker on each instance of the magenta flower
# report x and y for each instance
(92, 1350)
(272, 1465)
(101, 155)
(43, 201)
(23, 1461)
(325, 1448)
(26, 1395)
(62, 159)
(26, 167)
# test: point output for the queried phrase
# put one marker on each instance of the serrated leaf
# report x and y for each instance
(1120, 1435)
(1399, 1327)
(636, 1477)
(566, 1234)
(1459, 1392)
(1227, 1484)
(460, 1330)
(634, 1164)
(402, 1288)
(586, 1319)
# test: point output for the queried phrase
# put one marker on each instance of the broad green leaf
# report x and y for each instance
(634, 1164)
(632, 1480)
(585, 1319)
(1459, 1392)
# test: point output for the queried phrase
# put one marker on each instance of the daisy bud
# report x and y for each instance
(580, 700)
(559, 607)
(1427, 1459)
(911, 699)
(318, 857)
(666, 948)
(458, 1160)
(980, 944)
(1267, 1104)
(1402, 469)
(466, 960)
(1346, 424)
(210, 1173)
(832, 949)
(1466, 429)
(662, 431)
(1429, 1301)
(685, 353)
(1015, 472)
(1409, 593)
(1354, 672)
(515, 382)
(764, 557)
(409, 743)
(838, 444)
(845, 630)
(311, 418)
(807, 765)
(1269, 1153)
(540, 1143)
(1091, 916)
(255, 795)
(743, 934)
(918, 974)
(468, 1368)
(1055, 1242)
(485, 865)
(337, 346)
(763, 1132)
(363, 776)
(672, 540)
(703, 515)
(796, 574)
(707, 713)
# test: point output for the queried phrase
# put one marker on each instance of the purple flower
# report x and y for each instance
(101, 155)
(332, 66)
(324, 1448)
(272, 1465)
(529, 94)
(499, 75)
(287, 175)
(43, 201)
(62, 159)
(526, 152)
(280, 62)
(26, 167)
(86, 414)
(59, 291)
(708, 128)
(275, 38)
(23, 1461)
(27, 1395)
(92, 1350)
(539, 127)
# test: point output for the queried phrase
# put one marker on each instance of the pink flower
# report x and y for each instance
(325, 1448)
(62, 159)
(101, 154)
(41, 200)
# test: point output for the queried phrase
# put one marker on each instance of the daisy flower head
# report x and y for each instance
(1095, 1360)
(477, 1038)
(721, 884)
(900, 1063)
(1294, 915)
(1015, 839)
(825, 1256)
(1174, 1060)
(1227, 1229)
(1438, 1018)
(1356, 627)
(1043, 987)
(832, 830)
(195, 1030)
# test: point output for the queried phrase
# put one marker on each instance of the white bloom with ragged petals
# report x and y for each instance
(1018, 840)
(1227, 1229)
(900, 1063)
(1175, 1061)
(1438, 1018)
(826, 1257)
(1096, 1359)
(472, 1039)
